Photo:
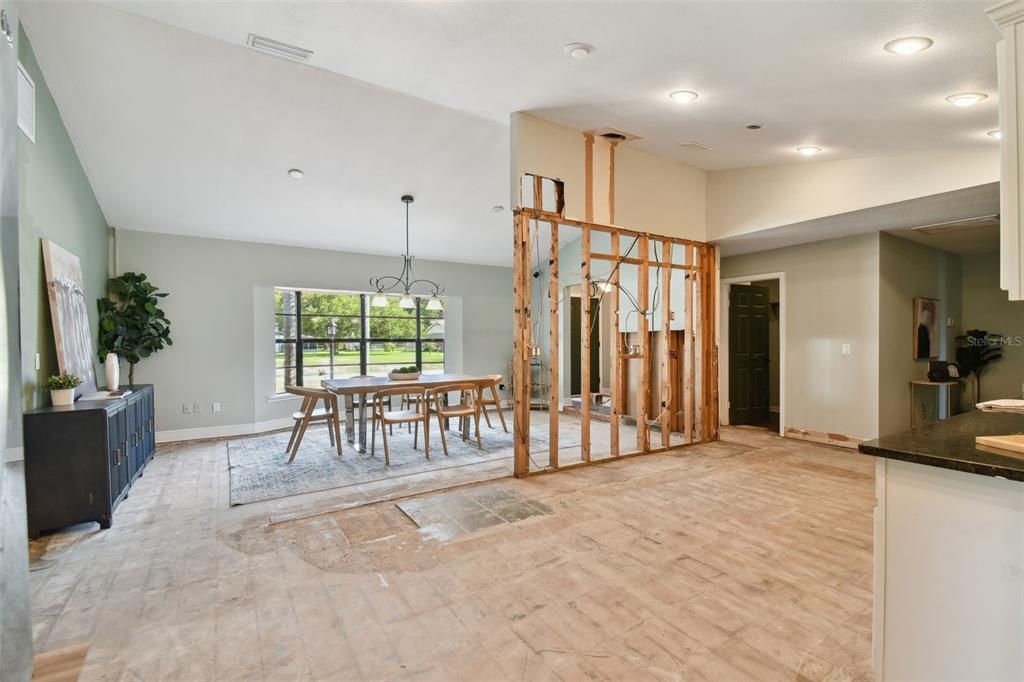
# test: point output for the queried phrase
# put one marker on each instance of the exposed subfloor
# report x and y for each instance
(724, 561)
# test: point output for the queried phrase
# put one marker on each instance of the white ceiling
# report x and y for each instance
(182, 129)
(898, 219)
(184, 134)
(809, 72)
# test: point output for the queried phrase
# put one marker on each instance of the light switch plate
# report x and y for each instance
(847, 350)
(950, 322)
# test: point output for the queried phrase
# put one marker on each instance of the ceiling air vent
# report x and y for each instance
(959, 225)
(26, 103)
(278, 49)
(613, 135)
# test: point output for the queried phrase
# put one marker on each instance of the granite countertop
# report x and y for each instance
(949, 444)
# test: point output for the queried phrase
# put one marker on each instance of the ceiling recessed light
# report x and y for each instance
(966, 99)
(579, 50)
(295, 173)
(909, 45)
(808, 150)
(497, 209)
(995, 134)
(683, 96)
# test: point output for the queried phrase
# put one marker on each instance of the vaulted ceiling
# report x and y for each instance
(183, 129)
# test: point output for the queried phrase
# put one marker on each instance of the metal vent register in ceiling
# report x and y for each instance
(959, 225)
(278, 49)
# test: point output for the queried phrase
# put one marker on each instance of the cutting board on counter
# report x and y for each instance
(1014, 444)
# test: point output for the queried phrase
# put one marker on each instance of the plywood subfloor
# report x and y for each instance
(719, 562)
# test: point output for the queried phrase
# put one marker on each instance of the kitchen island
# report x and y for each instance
(949, 552)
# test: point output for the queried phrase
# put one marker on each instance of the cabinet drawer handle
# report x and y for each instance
(133, 438)
(117, 456)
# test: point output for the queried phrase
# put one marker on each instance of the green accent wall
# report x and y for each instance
(55, 202)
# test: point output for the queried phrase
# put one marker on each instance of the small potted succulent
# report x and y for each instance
(62, 388)
(410, 373)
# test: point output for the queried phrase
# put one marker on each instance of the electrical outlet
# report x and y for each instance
(215, 408)
(185, 408)
(196, 408)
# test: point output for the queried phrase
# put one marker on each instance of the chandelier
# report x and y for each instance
(406, 281)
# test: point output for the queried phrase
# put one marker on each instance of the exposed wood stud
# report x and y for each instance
(554, 357)
(643, 437)
(693, 395)
(688, 343)
(710, 347)
(521, 347)
(538, 192)
(667, 404)
(586, 397)
(611, 182)
(616, 383)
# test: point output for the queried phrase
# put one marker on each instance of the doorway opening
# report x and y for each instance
(753, 370)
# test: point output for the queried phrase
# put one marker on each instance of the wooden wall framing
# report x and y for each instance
(695, 405)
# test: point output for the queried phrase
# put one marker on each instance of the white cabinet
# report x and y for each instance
(1009, 17)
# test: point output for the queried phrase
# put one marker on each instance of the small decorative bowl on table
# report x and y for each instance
(404, 374)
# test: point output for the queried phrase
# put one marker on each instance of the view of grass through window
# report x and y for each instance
(332, 335)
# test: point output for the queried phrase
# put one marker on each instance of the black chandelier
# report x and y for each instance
(406, 281)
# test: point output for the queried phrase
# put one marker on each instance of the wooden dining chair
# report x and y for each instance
(385, 416)
(467, 407)
(490, 383)
(309, 412)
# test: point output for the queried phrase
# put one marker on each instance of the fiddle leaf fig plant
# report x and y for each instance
(132, 325)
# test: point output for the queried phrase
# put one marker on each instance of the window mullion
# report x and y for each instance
(363, 329)
(298, 339)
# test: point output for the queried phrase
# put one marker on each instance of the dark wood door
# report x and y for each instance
(576, 345)
(748, 355)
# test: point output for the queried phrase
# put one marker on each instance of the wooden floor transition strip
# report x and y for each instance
(60, 665)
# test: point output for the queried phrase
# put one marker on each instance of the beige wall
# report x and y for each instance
(746, 200)
(831, 290)
(908, 270)
(985, 306)
(652, 194)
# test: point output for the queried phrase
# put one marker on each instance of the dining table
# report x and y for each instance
(366, 386)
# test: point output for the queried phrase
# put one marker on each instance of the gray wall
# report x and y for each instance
(57, 203)
(15, 625)
(985, 306)
(831, 290)
(221, 312)
(908, 270)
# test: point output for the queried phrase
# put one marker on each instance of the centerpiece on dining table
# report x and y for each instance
(410, 373)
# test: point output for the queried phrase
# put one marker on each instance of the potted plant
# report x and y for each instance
(974, 351)
(62, 388)
(410, 373)
(132, 326)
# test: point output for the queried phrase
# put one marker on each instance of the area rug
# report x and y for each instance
(259, 470)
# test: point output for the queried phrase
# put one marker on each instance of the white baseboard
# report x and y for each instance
(14, 454)
(227, 431)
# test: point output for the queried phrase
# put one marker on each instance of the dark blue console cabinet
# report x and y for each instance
(81, 460)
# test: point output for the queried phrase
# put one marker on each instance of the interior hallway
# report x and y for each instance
(748, 558)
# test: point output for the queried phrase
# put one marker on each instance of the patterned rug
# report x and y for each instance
(259, 469)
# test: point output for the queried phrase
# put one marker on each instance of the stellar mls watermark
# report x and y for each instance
(995, 341)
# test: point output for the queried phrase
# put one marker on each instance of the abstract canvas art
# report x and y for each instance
(926, 328)
(70, 315)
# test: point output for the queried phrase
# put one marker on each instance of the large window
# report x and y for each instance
(331, 335)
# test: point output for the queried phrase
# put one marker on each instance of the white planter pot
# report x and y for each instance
(112, 368)
(65, 396)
